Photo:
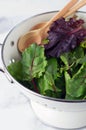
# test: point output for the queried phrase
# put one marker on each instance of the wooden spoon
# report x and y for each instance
(39, 34)
(37, 26)
(71, 11)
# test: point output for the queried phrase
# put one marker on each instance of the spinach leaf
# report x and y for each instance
(76, 86)
(73, 60)
(52, 67)
(15, 69)
(46, 83)
(72, 57)
(60, 84)
(33, 62)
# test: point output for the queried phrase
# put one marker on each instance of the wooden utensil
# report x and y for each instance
(39, 34)
(70, 12)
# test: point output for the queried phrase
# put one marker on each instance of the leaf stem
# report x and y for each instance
(35, 87)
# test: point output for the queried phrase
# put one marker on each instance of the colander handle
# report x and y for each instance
(3, 71)
(0, 67)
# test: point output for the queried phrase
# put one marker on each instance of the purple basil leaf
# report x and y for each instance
(64, 46)
(64, 36)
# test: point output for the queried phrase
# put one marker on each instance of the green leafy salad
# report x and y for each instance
(57, 69)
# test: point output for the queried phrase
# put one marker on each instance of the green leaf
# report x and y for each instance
(33, 62)
(76, 86)
(52, 67)
(73, 60)
(83, 44)
(60, 84)
(15, 69)
(83, 59)
(45, 41)
(73, 57)
(46, 83)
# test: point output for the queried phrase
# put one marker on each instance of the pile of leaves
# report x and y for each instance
(57, 69)
(64, 35)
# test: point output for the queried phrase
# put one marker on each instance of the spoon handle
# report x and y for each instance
(75, 8)
(63, 11)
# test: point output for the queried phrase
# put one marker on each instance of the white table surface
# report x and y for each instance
(15, 110)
